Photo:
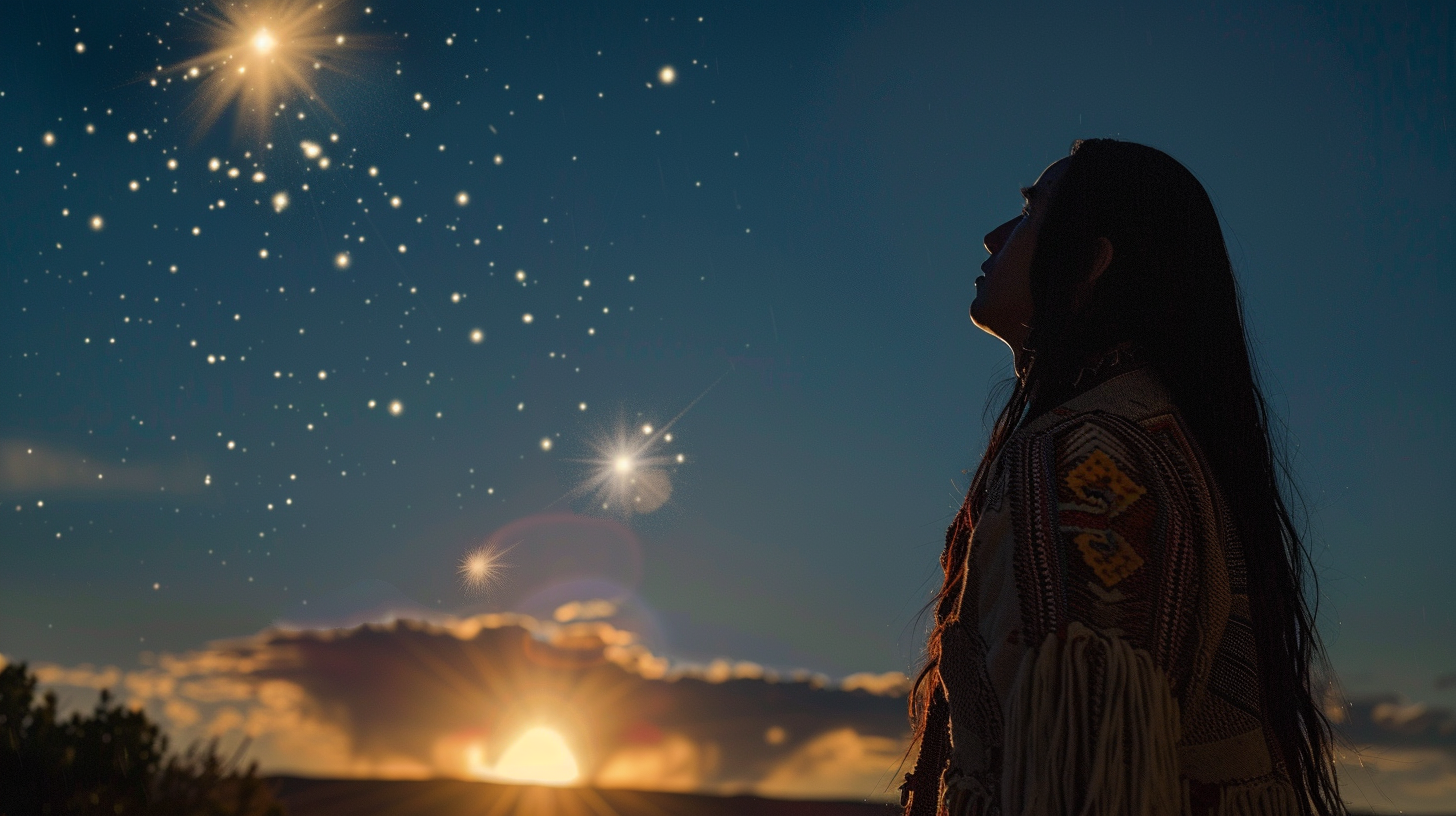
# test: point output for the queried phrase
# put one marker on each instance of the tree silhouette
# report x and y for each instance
(114, 761)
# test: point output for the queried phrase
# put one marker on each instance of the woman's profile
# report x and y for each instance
(1122, 627)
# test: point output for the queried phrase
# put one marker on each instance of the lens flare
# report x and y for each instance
(263, 56)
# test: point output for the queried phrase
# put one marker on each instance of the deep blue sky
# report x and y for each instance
(797, 218)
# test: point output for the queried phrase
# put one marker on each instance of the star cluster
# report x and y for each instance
(342, 304)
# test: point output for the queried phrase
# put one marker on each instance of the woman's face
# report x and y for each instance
(1003, 294)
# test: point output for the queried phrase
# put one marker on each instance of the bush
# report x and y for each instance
(114, 761)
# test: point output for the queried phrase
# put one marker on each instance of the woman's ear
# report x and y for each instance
(1104, 259)
(1099, 265)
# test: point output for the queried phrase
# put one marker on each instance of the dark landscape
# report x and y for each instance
(454, 797)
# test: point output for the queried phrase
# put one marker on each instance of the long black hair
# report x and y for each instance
(1171, 292)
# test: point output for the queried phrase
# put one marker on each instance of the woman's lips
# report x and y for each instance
(979, 279)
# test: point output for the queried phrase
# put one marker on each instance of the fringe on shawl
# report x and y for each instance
(1272, 798)
(1058, 760)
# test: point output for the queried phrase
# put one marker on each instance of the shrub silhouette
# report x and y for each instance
(114, 761)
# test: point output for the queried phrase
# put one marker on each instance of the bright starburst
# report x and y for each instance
(481, 567)
(264, 54)
(630, 472)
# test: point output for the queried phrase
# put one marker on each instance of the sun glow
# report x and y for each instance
(538, 757)
(264, 55)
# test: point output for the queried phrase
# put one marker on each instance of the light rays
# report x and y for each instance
(264, 54)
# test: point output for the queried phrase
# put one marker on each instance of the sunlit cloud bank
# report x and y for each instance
(508, 697)
(565, 699)
(1406, 759)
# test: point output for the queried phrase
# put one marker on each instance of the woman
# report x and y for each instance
(1122, 628)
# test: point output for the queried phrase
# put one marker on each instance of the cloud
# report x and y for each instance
(1403, 757)
(833, 763)
(407, 698)
(1394, 720)
(412, 699)
(28, 467)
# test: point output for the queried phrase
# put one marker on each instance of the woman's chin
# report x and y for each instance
(978, 313)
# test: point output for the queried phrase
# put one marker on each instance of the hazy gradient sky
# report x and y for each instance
(797, 218)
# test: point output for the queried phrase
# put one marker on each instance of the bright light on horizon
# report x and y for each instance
(538, 757)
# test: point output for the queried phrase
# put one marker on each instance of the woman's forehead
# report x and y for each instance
(1050, 175)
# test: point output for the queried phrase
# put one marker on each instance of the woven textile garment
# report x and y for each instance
(1101, 658)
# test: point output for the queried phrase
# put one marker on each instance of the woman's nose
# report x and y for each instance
(996, 238)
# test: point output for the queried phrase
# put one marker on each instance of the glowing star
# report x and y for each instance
(263, 53)
(630, 474)
(480, 568)
(477, 336)
(667, 75)
(396, 408)
(545, 443)
(263, 42)
(97, 223)
(311, 150)
(342, 260)
(462, 198)
(525, 318)
(280, 201)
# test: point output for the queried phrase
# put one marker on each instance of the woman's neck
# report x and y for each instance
(1095, 367)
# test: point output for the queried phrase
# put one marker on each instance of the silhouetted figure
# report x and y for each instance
(1123, 627)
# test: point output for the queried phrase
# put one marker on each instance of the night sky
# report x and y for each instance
(452, 285)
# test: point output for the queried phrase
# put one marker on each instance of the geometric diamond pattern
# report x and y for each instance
(1097, 481)
(1108, 554)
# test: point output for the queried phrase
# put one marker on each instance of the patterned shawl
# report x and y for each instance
(1100, 658)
